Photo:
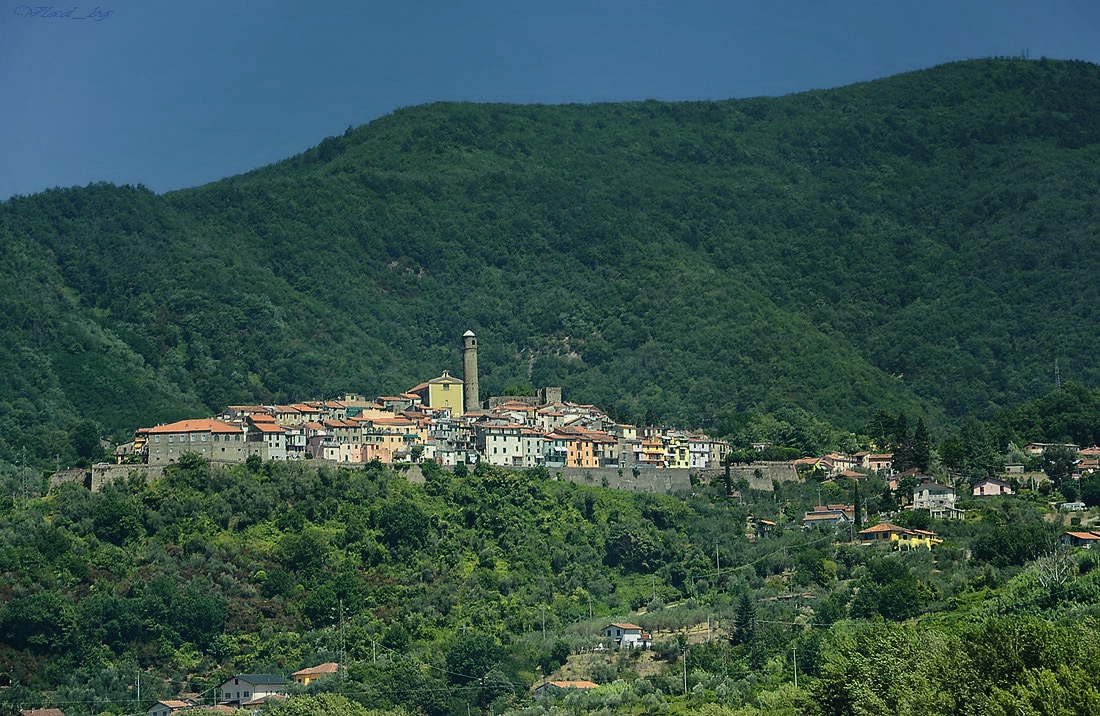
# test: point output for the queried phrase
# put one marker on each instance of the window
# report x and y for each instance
(204, 437)
(171, 438)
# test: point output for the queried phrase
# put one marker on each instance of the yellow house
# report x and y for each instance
(677, 451)
(304, 676)
(901, 537)
(442, 392)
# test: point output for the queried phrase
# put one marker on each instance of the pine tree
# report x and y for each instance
(922, 446)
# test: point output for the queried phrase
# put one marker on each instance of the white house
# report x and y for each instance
(627, 635)
(169, 706)
(938, 499)
(500, 444)
(246, 689)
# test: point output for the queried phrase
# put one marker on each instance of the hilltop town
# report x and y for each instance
(442, 420)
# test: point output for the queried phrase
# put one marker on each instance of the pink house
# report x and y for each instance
(991, 487)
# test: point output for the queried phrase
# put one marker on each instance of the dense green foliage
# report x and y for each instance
(918, 243)
(458, 593)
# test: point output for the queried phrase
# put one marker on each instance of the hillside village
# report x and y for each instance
(441, 419)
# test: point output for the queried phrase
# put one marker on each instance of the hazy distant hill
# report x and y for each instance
(919, 243)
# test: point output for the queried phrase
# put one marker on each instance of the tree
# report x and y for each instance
(922, 446)
(324, 705)
(559, 652)
(519, 390)
(857, 502)
(1090, 490)
(471, 656)
(1058, 462)
(892, 668)
(889, 589)
(403, 524)
(84, 438)
(116, 519)
(744, 623)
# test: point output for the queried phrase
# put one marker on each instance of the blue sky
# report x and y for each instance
(176, 94)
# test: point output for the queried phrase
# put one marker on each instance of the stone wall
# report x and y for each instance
(662, 481)
(674, 480)
(103, 473)
(760, 476)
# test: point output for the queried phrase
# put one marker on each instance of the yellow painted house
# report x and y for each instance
(304, 676)
(901, 537)
(442, 392)
(677, 451)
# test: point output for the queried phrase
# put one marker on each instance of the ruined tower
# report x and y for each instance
(469, 371)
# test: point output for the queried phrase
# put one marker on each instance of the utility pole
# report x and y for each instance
(685, 667)
(343, 656)
(794, 656)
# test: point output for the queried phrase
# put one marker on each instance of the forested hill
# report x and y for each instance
(918, 243)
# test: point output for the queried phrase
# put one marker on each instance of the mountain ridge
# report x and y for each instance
(841, 250)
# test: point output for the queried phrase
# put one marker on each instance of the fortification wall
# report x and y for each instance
(99, 475)
(760, 476)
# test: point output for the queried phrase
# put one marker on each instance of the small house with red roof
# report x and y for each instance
(304, 676)
(556, 688)
(1087, 540)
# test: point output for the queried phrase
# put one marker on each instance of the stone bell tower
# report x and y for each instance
(469, 371)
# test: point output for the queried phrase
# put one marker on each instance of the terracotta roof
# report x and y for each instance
(573, 684)
(626, 626)
(816, 516)
(206, 425)
(1084, 535)
(883, 527)
(329, 667)
(268, 428)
